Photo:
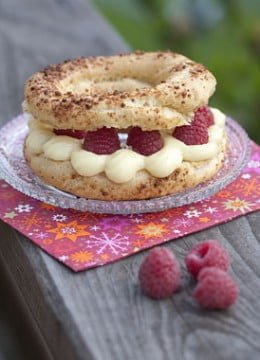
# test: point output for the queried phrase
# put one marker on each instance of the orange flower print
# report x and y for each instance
(248, 187)
(204, 219)
(151, 230)
(237, 205)
(70, 231)
(81, 256)
(224, 194)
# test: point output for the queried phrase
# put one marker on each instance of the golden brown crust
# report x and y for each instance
(143, 186)
(156, 91)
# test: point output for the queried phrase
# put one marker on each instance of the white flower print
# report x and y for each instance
(68, 230)
(183, 222)
(176, 231)
(95, 228)
(63, 258)
(246, 176)
(211, 210)
(253, 164)
(41, 235)
(24, 208)
(137, 220)
(192, 213)
(106, 242)
(59, 217)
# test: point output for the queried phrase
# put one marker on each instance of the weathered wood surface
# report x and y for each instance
(101, 314)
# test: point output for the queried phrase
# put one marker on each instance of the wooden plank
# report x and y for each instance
(19, 337)
(101, 313)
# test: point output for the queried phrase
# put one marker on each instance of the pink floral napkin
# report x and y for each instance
(85, 240)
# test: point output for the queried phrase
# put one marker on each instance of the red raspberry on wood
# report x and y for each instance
(205, 254)
(215, 289)
(159, 273)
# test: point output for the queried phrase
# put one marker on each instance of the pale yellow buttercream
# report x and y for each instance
(122, 165)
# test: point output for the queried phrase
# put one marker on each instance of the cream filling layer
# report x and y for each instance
(122, 165)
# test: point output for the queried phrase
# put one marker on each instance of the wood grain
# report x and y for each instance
(100, 313)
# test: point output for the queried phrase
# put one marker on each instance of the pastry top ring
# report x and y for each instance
(151, 90)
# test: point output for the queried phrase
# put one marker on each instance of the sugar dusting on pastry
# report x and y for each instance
(156, 92)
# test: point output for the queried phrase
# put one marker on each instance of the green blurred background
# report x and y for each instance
(224, 35)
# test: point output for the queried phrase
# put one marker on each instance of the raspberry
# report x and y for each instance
(206, 254)
(78, 134)
(144, 142)
(203, 117)
(215, 289)
(159, 273)
(191, 134)
(102, 141)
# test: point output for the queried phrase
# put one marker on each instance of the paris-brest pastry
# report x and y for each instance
(124, 127)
